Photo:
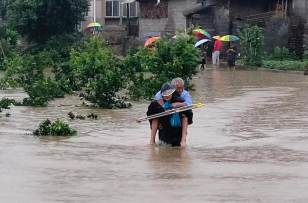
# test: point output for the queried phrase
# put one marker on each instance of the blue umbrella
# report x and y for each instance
(150, 35)
(201, 42)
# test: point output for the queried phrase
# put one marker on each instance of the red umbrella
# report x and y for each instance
(151, 41)
(202, 34)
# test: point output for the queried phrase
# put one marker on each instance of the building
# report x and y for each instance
(282, 20)
(113, 13)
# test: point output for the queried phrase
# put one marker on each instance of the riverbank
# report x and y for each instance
(244, 67)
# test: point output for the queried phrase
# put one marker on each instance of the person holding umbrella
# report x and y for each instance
(231, 55)
(232, 51)
(203, 47)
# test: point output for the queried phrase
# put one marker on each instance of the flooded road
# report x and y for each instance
(248, 144)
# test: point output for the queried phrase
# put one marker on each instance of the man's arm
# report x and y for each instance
(159, 98)
(187, 100)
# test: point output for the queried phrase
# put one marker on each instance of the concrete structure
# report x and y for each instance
(165, 17)
(226, 17)
(111, 13)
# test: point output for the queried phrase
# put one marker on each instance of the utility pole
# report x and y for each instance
(127, 19)
(94, 11)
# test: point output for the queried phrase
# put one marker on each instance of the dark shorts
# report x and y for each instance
(169, 134)
(203, 61)
(231, 63)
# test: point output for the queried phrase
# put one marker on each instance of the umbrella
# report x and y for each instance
(149, 35)
(229, 38)
(151, 41)
(201, 34)
(217, 37)
(94, 26)
(201, 42)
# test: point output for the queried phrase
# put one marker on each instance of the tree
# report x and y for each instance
(38, 20)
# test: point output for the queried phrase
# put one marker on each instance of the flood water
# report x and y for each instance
(249, 143)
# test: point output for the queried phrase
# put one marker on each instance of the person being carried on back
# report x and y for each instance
(180, 98)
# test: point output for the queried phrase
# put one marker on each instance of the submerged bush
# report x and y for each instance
(5, 103)
(58, 128)
(171, 58)
(43, 91)
(97, 67)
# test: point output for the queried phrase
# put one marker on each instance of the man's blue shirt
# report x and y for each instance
(185, 96)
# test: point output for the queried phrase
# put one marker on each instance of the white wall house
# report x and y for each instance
(111, 12)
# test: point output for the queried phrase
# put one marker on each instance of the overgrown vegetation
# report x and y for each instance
(285, 65)
(57, 128)
(252, 45)
(100, 71)
(281, 54)
(5, 103)
(171, 58)
(39, 20)
(8, 42)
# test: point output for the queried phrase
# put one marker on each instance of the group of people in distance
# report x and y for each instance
(231, 54)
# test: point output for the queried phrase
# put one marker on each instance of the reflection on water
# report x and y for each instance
(247, 144)
(169, 163)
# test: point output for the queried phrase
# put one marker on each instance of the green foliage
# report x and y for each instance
(39, 20)
(99, 69)
(65, 75)
(133, 60)
(306, 54)
(171, 58)
(43, 91)
(282, 54)
(5, 103)
(285, 65)
(3, 84)
(27, 71)
(58, 128)
(252, 45)
(8, 41)
(60, 44)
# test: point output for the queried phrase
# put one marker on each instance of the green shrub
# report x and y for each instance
(285, 65)
(5, 103)
(252, 45)
(58, 128)
(171, 58)
(43, 91)
(99, 69)
(8, 43)
(282, 54)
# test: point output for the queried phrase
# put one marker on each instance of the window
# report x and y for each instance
(132, 9)
(112, 8)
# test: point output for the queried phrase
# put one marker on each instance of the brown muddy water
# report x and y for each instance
(248, 144)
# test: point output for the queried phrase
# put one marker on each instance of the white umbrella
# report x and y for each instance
(202, 42)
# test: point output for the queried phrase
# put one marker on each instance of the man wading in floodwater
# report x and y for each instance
(179, 98)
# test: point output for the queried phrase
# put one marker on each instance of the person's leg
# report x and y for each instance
(202, 63)
(234, 64)
(217, 61)
(229, 64)
(184, 131)
(213, 59)
(154, 127)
